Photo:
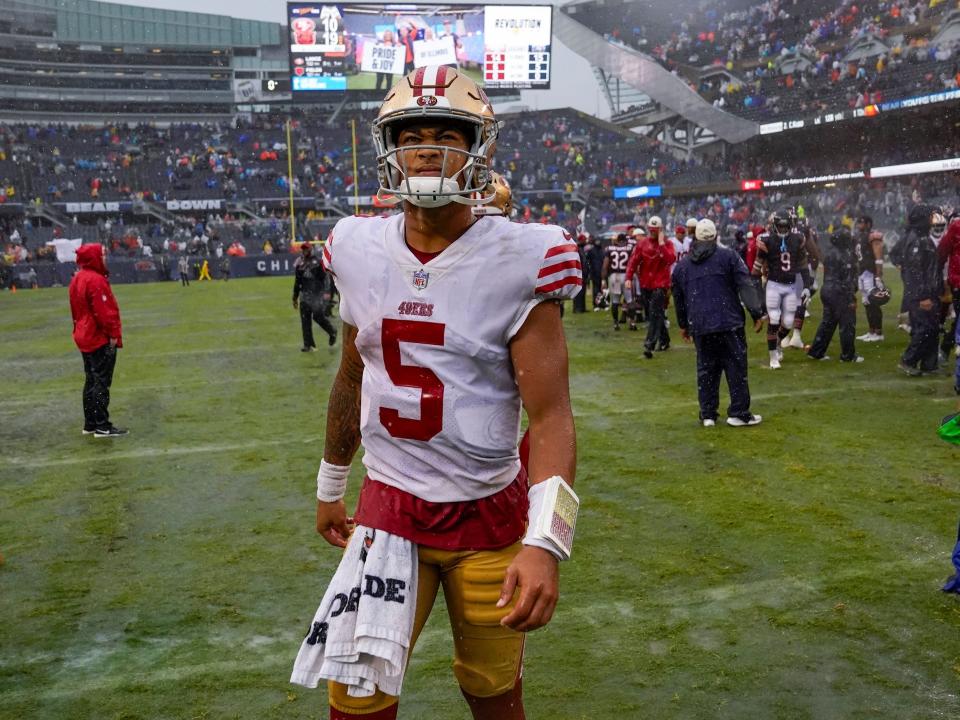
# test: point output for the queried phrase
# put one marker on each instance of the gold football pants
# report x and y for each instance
(487, 656)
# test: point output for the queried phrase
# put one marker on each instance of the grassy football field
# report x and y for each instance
(790, 570)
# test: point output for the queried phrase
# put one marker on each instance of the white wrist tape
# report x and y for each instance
(553, 517)
(332, 481)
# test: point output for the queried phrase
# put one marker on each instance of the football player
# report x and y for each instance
(681, 243)
(869, 251)
(812, 245)
(782, 254)
(450, 321)
(614, 270)
(502, 203)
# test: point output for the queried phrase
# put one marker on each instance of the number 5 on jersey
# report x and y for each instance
(413, 376)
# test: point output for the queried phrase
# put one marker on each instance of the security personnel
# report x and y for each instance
(311, 293)
(922, 285)
(840, 273)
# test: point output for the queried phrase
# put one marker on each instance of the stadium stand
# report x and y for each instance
(787, 58)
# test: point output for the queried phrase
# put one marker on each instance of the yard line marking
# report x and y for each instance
(795, 589)
(134, 356)
(649, 407)
(60, 393)
(24, 462)
(272, 659)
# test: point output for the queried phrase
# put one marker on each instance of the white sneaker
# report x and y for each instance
(866, 337)
(857, 359)
(795, 340)
(739, 422)
(872, 337)
(774, 360)
(903, 326)
(709, 423)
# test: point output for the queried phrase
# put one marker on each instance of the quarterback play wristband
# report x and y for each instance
(332, 481)
(552, 519)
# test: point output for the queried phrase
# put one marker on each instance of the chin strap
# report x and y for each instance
(431, 197)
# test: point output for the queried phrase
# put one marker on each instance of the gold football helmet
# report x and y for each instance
(502, 203)
(938, 225)
(435, 92)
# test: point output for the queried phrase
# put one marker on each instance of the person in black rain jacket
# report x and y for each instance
(922, 273)
(839, 297)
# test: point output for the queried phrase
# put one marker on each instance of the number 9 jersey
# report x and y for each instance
(785, 256)
(440, 408)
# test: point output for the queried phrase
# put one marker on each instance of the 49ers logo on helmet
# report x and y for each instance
(426, 101)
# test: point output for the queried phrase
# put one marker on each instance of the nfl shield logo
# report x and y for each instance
(420, 279)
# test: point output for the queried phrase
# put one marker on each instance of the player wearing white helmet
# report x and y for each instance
(449, 322)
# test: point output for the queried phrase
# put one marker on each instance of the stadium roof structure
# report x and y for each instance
(89, 21)
(83, 60)
(679, 105)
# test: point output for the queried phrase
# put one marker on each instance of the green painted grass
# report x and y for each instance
(790, 570)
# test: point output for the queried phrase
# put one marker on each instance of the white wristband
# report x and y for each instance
(552, 518)
(332, 481)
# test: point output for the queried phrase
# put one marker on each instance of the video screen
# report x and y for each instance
(367, 47)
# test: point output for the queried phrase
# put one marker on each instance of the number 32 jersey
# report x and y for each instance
(440, 408)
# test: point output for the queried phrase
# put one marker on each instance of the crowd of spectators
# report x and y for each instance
(751, 40)
(558, 150)
(558, 162)
(241, 161)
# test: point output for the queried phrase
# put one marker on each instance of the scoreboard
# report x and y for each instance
(517, 46)
(367, 47)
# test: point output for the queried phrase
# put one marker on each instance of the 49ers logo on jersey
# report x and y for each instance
(426, 101)
(420, 279)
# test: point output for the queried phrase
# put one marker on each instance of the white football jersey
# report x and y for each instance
(440, 408)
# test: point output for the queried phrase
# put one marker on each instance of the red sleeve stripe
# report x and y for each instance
(563, 282)
(565, 265)
(326, 255)
(560, 250)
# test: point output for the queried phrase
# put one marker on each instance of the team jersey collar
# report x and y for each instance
(476, 235)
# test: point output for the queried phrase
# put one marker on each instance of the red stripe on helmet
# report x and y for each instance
(441, 81)
(418, 82)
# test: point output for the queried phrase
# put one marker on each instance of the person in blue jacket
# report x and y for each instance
(709, 285)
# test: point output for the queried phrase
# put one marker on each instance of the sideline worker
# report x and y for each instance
(98, 335)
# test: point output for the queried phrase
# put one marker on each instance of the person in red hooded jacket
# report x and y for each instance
(652, 259)
(949, 252)
(97, 333)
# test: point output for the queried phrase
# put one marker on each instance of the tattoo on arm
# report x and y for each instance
(343, 408)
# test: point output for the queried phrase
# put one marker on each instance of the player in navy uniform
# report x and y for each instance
(614, 269)
(814, 258)
(782, 252)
